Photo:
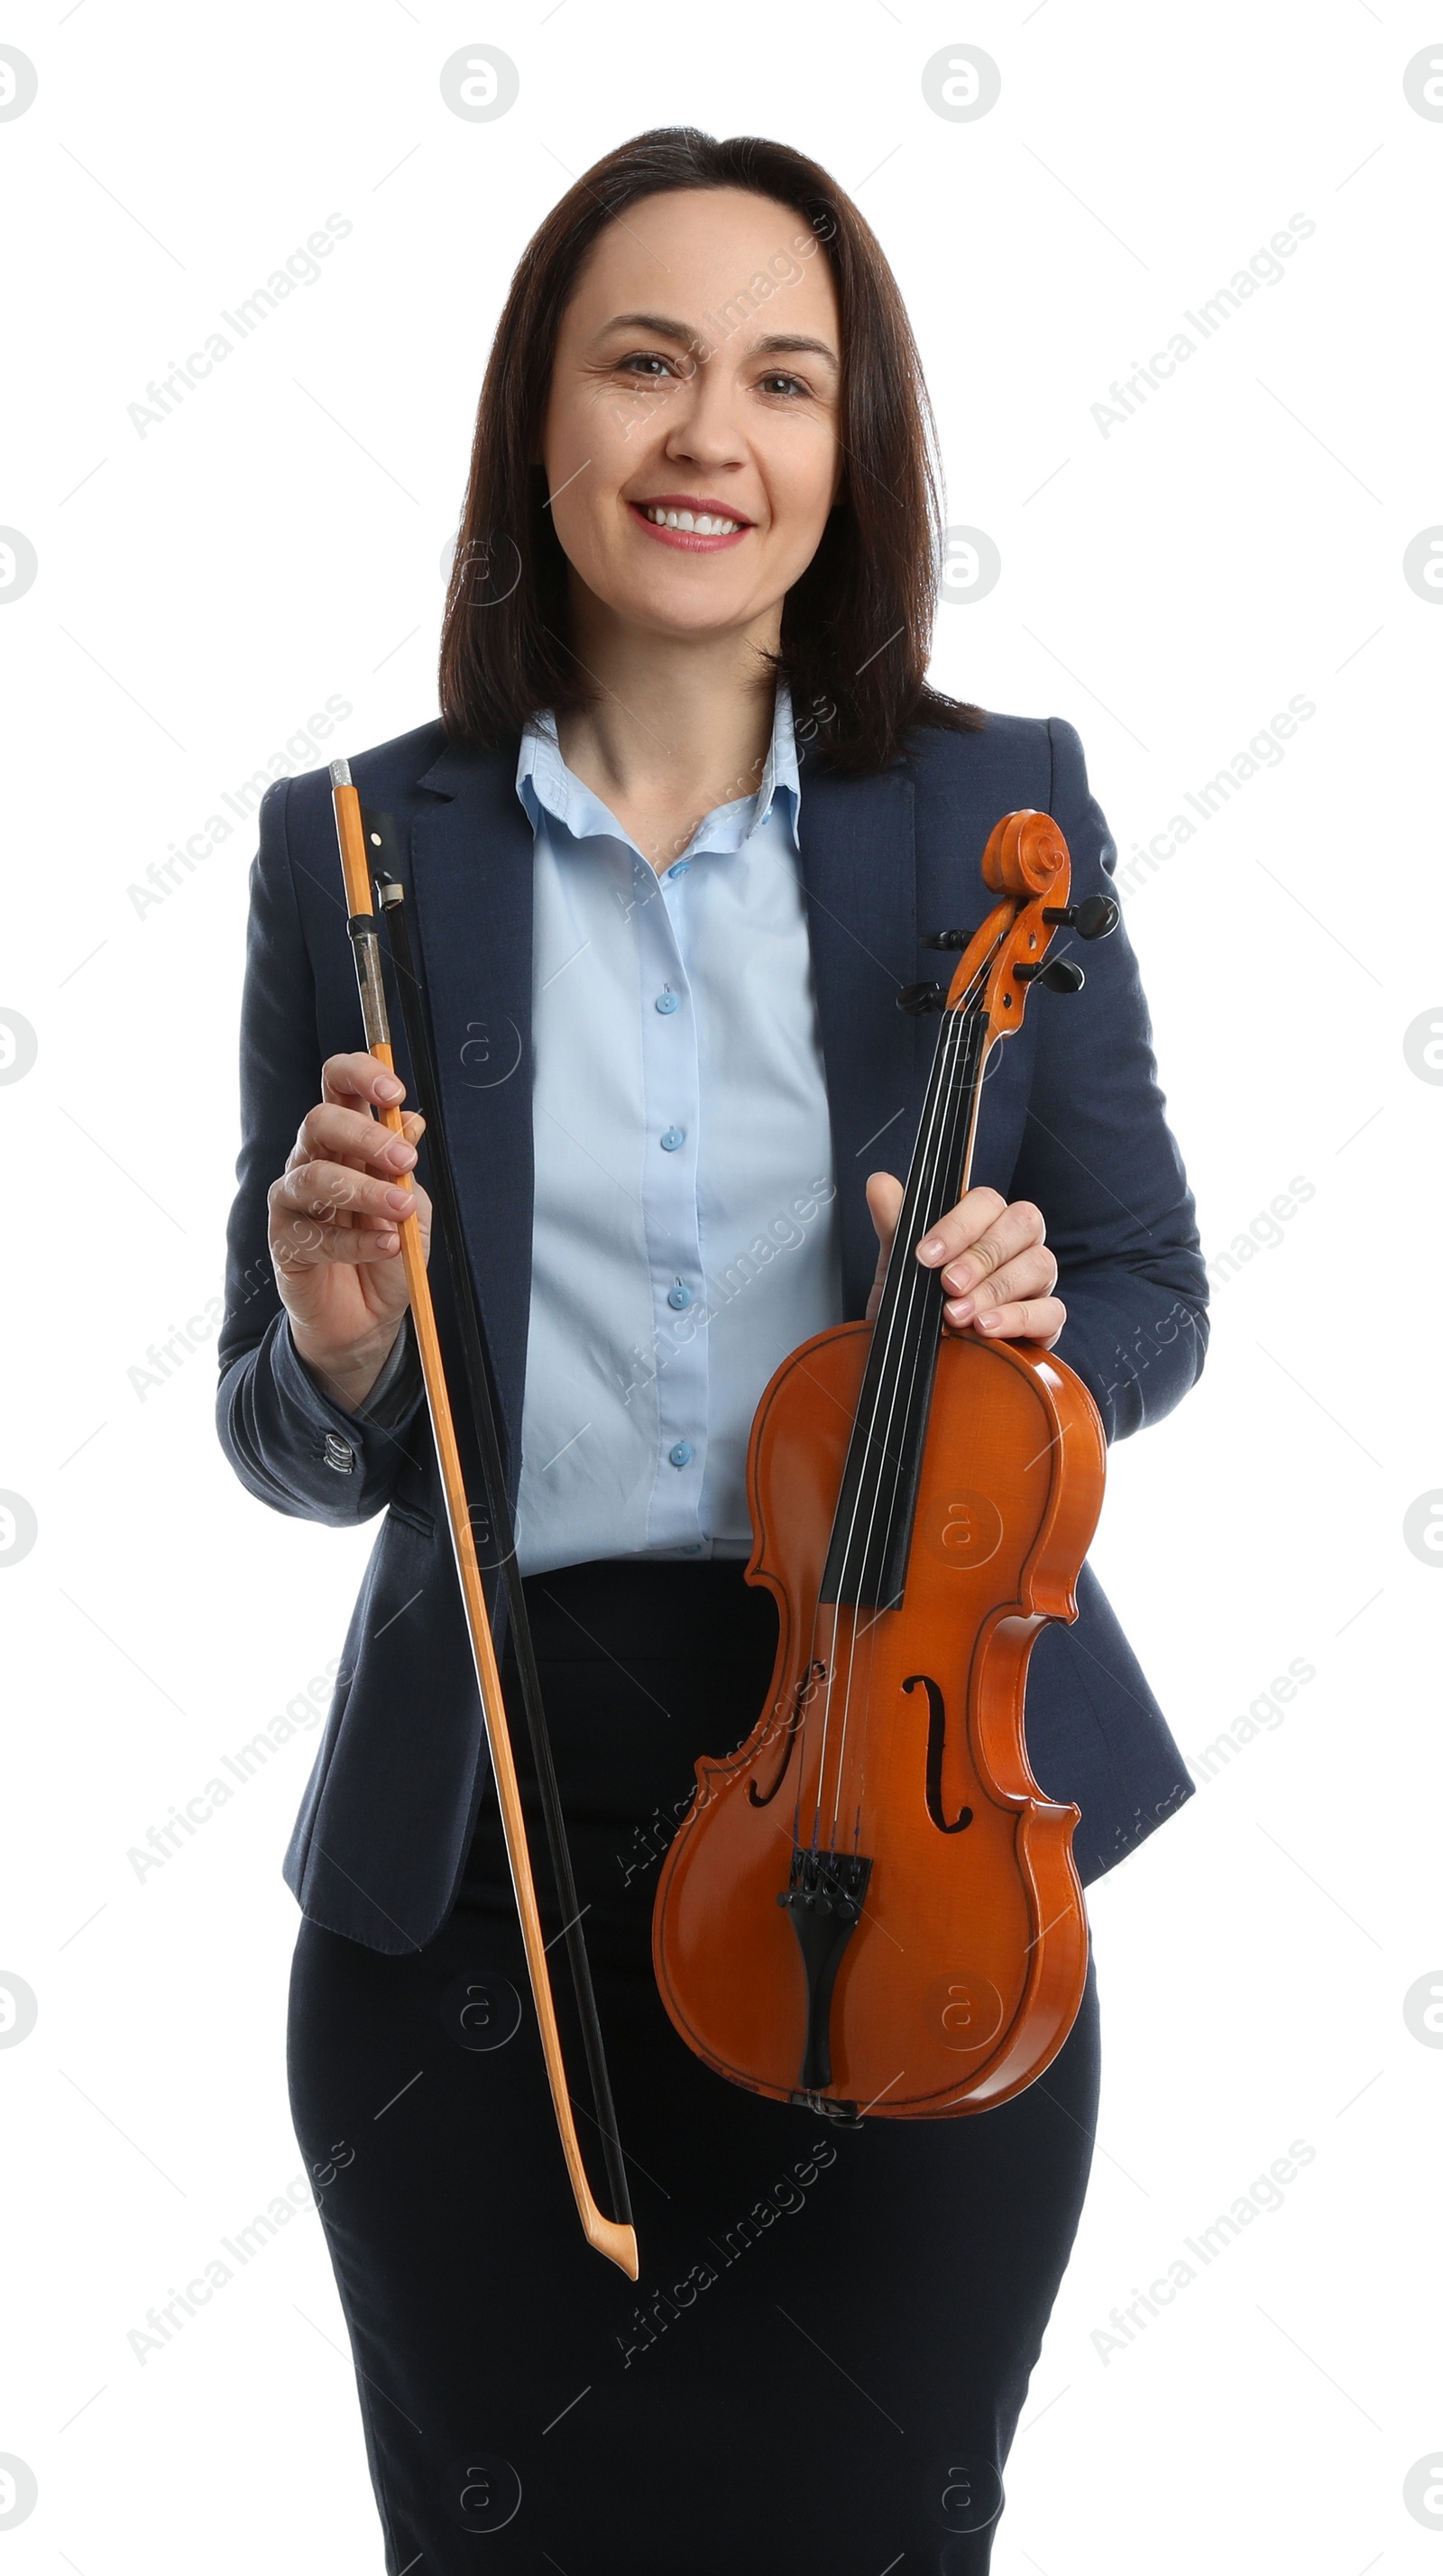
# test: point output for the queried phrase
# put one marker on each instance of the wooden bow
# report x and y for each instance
(612, 2237)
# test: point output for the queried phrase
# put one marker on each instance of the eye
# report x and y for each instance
(790, 385)
(655, 367)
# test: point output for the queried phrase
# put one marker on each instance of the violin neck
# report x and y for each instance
(872, 1529)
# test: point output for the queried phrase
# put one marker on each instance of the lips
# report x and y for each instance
(690, 540)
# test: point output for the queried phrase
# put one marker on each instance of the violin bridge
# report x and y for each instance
(824, 1899)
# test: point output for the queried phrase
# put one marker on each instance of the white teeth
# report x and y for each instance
(701, 524)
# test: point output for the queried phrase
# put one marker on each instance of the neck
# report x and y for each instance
(681, 723)
(872, 1529)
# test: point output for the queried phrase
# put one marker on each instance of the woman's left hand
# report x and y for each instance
(996, 1268)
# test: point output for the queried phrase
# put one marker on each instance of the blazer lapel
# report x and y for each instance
(858, 859)
(471, 885)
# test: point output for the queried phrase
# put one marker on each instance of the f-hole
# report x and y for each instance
(800, 1696)
(936, 1741)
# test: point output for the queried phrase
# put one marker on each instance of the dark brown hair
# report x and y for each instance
(856, 627)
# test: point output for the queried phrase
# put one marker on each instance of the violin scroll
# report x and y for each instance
(1025, 855)
(1026, 863)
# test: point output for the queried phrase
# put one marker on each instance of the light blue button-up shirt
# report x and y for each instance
(685, 1231)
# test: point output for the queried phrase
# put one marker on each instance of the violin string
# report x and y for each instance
(924, 1346)
(953, 1101)
(899, 1320)
(899, 1317)
(832, 1662)
(942, 1097)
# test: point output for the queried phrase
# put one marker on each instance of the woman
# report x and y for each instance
(671, 853)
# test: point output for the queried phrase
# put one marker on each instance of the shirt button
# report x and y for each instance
(679, 1296)
(673, 1137)
(680, 869)
(679, 1453)
(668, 1001)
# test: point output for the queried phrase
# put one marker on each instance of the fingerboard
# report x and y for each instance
(872, 1529)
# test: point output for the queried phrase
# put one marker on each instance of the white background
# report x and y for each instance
(201, 590)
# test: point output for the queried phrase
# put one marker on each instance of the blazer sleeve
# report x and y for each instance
(288, 1441)
(1097, 1155)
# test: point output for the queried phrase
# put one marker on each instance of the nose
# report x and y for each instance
(705, 427)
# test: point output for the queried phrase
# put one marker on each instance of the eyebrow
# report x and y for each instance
(775, 344)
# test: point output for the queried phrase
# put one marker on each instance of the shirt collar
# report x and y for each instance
(543, 781)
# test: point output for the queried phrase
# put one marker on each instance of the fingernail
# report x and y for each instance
(989, 1323)
(388, 1088)
(959, 1309)
(400, 1200)
(401, 1157)
(932, 1249)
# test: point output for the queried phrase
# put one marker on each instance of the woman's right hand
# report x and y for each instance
(334, 1219)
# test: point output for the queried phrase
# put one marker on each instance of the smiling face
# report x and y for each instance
(697, 379)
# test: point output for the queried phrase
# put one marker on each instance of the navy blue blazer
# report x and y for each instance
(1072, 1119)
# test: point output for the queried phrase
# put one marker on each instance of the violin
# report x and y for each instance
(871, 1906)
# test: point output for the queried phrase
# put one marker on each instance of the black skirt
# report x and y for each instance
(823, 2363)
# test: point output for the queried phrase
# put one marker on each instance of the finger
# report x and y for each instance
(359, 1077)
(961, 1226)
(1031, 1274)
(1009, 1229)
(884, 1201)
(302, 1243)
(330, 1132)
(331, 1192)
(1032, 1319)
(300, 1240)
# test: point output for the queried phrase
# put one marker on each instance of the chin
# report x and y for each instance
(684, 611)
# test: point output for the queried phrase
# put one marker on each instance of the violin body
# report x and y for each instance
(993, 1905)
(871, 1907)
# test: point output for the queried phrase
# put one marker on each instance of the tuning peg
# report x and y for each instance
(1059, 975)
(917, 999)
(947, 939)
(1093, 918)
